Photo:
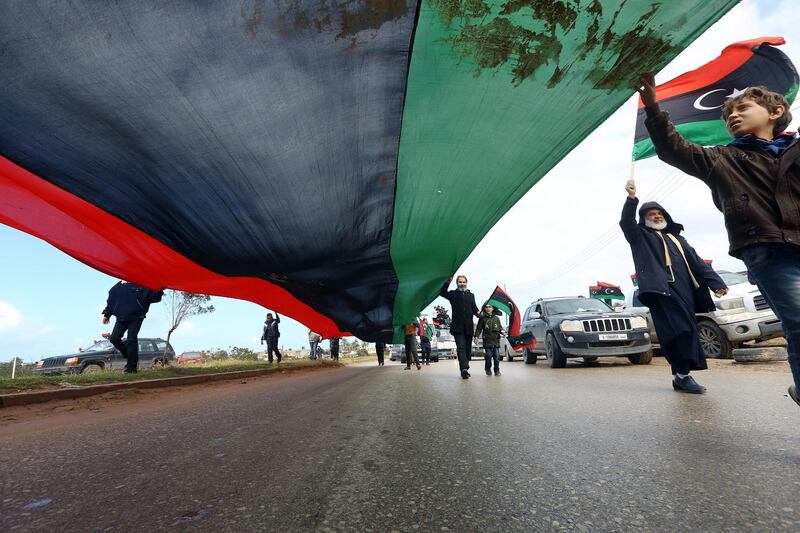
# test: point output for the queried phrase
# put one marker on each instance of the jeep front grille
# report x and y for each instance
(54, 361)
(760, 303)
(606, 324)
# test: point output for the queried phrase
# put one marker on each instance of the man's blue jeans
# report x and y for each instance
(775, 268)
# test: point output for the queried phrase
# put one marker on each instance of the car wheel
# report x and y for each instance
(643, 358)
(714, 341)
(530, 357)
(555, 357)
(92, 369)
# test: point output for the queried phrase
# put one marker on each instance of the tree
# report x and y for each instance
(181, 305)
(442, 316)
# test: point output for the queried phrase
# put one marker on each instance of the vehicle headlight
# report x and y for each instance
(730, 303)
(638, 322)
(571, 325)
(71, 361)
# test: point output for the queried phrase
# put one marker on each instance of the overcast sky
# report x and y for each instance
(557, 240)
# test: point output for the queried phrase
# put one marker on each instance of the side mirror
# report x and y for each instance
(535, 316)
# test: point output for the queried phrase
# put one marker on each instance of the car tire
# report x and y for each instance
(530, 357)
(92, 368)
(555, 357)
(509, 356)
(643, 358)
(714, 341)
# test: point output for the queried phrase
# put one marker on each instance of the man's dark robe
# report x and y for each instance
(670, 295)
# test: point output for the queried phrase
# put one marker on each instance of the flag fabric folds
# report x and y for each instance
(694, 100)
(606, 291)
(333, 161)
(500, 300)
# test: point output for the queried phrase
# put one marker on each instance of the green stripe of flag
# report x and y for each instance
(706, 133)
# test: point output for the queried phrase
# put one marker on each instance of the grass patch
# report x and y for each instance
(26, 383)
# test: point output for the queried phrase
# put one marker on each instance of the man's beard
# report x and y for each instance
(462, 289)
(653, 225)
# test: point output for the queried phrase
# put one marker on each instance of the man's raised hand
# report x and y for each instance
(630, 188)
(647, 88)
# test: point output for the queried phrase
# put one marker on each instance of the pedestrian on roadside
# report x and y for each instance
(313, 342)
(426, 333)
(334, 345)
(755, 183)
(128, 303)
(380, 350)
(462, 327)
(410, 332)
(490, 327)
(674, 284)
(271, 335)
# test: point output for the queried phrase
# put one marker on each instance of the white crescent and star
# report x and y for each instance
(698, 105)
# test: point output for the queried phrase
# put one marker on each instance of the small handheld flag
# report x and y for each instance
(503, 302)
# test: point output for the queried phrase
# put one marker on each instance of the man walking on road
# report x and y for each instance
(674, 284)
(271, 335)
(380, 349)
(129, 303)
(313, 343)
(426, 333)
(462, 327)
(334, 345)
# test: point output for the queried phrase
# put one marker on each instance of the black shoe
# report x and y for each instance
(130, 371)
(408, 368)
(687, 384)
(793, 394)
(464, 374)
(497, 373)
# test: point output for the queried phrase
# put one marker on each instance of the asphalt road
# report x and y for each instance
(607, 448)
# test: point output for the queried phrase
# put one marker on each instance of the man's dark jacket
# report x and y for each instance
(464, 308)
(271, 330)
(128, 301)
(758, 193)
(649, 259)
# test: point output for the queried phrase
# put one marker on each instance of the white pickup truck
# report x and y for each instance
(742, 315)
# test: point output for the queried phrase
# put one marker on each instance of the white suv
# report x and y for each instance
(742, 315)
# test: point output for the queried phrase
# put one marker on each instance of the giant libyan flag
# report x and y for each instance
(694, 100)
(335, 161)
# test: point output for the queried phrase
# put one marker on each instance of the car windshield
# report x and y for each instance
(733, 278)
(192, 355)
(99, 346)
(578, 305)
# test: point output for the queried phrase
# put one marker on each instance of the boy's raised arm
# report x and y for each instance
(670, 145)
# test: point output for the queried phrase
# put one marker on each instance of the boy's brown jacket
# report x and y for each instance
(758, 193)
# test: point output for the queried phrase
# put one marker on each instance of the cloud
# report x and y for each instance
(10, 317)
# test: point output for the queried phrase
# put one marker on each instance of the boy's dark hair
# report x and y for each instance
(766, 99)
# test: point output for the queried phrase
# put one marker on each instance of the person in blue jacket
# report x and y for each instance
(129, 304)
(271, 335)
(674, 284)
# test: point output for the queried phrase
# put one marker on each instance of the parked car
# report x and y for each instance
(192, 358)
(742, 315)
(103, 356)
(585, 327)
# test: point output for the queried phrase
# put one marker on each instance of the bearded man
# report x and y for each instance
(674, 284)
